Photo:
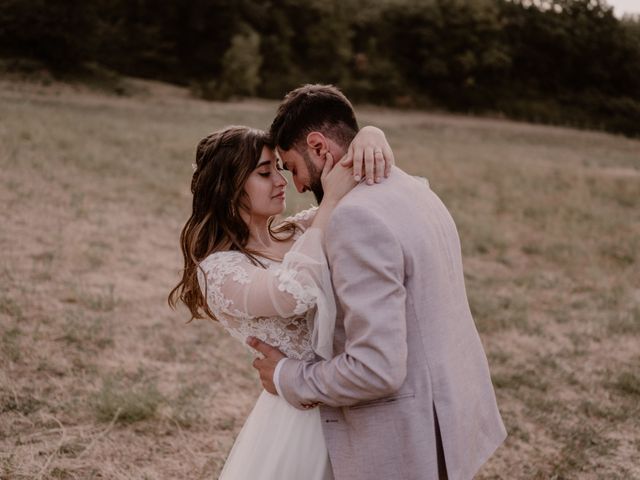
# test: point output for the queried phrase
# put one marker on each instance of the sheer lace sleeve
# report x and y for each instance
(303, 218)
(236, 287)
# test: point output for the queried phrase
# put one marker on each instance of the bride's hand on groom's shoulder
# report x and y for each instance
(370, 154)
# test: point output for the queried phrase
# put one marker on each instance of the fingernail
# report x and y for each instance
(357, 178)
(369, 181)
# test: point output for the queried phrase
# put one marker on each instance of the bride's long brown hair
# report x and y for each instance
(224, 161)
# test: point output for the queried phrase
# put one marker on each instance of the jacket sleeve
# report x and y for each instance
(367, 269)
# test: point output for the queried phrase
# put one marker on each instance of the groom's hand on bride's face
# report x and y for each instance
(266, 366)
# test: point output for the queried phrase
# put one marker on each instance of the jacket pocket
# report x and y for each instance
(382, 401)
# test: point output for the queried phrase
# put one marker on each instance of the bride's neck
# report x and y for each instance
(259, 237)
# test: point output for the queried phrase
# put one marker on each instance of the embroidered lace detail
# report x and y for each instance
(306, 297)
(291, 335)
(226, 264)
(303, 218)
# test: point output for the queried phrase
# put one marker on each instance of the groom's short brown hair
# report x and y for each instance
(309, 108)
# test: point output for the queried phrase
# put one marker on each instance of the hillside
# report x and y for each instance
(100, 379)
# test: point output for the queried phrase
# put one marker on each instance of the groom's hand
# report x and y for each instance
(266, 366)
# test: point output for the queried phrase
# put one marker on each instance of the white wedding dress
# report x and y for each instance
(289, 305)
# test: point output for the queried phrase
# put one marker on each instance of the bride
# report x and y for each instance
(266, 280)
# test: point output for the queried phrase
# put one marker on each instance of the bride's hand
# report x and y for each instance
(336, 180)
(369, 149)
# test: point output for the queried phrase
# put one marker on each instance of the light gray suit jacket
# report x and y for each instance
(408, 355)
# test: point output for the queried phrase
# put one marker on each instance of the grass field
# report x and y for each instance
(99, 379)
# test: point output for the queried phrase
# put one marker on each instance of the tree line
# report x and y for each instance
(556, 61)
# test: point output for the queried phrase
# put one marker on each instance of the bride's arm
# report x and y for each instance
(236, 287)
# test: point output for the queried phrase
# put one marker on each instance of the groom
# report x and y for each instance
(408, 394)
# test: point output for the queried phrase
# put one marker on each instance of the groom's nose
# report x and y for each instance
(299, 186)
(280, 180)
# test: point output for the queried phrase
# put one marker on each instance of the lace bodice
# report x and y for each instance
(275, 304)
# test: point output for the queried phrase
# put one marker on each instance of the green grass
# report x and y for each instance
(123, 403)
(187, 408)
(499, 312)
(10, 307)
(101, 299)
(11, 343)
(626, 322)
(22, 404)
(628, 383)
(86, 332)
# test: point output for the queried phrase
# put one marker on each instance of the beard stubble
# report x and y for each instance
(315, 184)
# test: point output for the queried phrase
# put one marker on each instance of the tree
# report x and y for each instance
(241, 65)
(450, 50)
(57, 32)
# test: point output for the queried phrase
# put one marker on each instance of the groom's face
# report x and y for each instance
(305, 170)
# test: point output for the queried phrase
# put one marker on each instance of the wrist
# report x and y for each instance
(329, 202)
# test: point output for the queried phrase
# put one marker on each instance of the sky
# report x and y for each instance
(621, 7)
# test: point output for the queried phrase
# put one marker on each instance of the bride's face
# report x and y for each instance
(265, 186)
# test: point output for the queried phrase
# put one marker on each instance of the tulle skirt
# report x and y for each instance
(279, 442)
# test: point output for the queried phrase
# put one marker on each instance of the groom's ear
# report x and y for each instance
(317, 143)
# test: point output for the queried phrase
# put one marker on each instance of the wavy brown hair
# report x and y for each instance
(224, 161)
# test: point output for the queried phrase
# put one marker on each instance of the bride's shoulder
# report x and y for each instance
(227, 267)
(302, 219)
(223, 261)
(302, 215)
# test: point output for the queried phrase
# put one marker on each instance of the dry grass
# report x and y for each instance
(99, 379)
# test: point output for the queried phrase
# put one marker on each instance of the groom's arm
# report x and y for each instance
(367, 268)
